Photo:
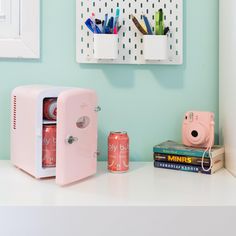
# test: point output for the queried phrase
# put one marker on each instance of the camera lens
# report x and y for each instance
(194, 133)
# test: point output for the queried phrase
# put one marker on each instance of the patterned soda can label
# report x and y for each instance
(50, 109)
(49, 146)
(118, 152)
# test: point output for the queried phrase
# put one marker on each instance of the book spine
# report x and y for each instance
(181, 159)
(180, 167)
(180, 152)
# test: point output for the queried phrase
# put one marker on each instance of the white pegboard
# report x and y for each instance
(130, 39)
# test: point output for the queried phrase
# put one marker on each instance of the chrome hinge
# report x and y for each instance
(97, 109)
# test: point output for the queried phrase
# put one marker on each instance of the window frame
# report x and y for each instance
(27, 44)
(9, 18)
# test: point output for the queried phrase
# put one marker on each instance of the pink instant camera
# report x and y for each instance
(198, 129)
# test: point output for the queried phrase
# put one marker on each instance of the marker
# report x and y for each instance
(143, 25)
(166, 31)
(109, 28)
(88, 23)
(97, 30)
(149, 30)
(137, 24)
(117, 17)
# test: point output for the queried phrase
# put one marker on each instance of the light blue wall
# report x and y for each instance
(147, 101)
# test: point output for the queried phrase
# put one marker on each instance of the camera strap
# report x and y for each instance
(208, 149)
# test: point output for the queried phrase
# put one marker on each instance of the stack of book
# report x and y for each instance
(171, 155)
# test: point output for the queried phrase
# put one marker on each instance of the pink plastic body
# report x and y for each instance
(198, 129)
(77, 160)
(74, 161)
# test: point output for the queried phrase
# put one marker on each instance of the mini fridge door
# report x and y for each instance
(76, 135)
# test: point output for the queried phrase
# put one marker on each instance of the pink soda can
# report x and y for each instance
(118, 152)
(49, 146)
(50, 109)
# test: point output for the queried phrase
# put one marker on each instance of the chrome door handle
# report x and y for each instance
(71, 140)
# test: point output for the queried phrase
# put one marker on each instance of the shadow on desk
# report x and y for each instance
(134, 166)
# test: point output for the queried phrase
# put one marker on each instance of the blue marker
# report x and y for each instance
(109, 27)
(98, 31)
(105, 23)
(89, 24)
(92, 26)
(149, 30)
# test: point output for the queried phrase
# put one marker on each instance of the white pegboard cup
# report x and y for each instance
(155, 47)
(105, 46)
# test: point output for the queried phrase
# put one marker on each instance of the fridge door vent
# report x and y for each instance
(14, 112)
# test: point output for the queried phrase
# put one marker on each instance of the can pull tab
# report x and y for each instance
(71, 140)
(97, 109)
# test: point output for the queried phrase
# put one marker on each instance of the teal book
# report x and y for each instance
(173, 148)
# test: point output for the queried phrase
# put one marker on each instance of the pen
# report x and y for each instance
(93, 22)
(149, 30)
(105, 23)
(137, 24)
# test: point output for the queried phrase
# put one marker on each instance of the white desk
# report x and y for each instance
(144, 201)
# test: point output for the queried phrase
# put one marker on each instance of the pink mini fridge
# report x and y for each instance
(76, 132)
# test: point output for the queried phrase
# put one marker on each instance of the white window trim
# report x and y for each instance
(27, 45)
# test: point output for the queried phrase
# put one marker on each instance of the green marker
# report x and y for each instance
(159, 21)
